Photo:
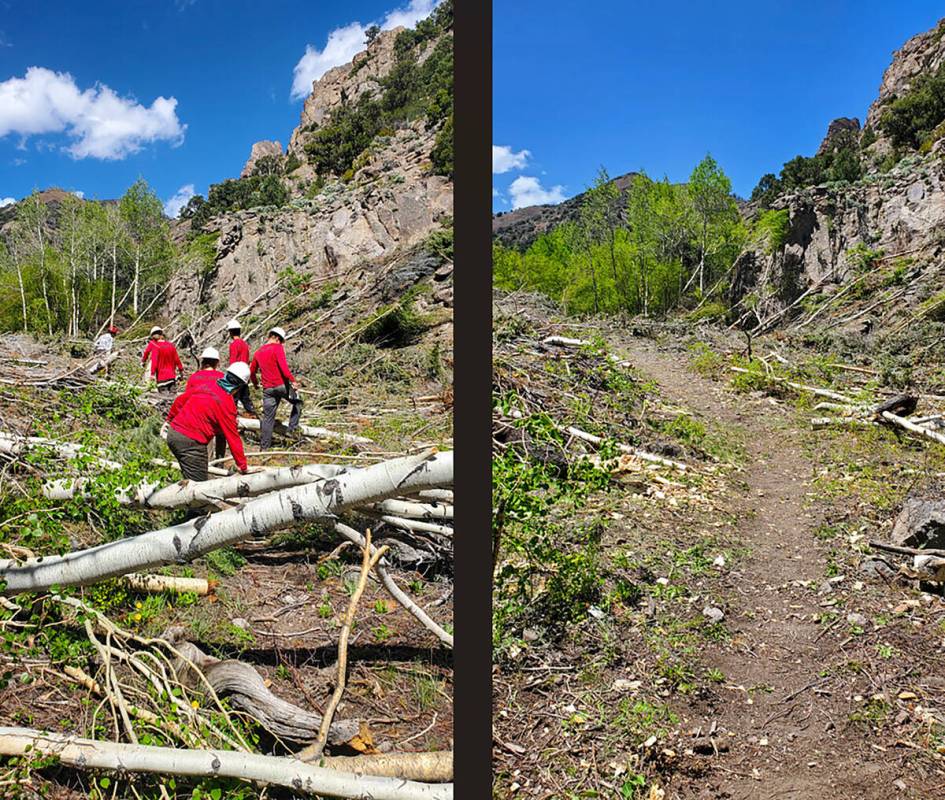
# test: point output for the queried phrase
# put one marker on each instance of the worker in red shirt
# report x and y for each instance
(208, 373)
(278, 384)
(151, 350)
(199, 414)
(166, 365)
(239, 351)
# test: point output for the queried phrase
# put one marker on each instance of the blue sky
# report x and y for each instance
(94, 95)
(655, 86)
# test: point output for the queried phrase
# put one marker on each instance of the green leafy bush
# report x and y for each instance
(910, 119)
(773, 227)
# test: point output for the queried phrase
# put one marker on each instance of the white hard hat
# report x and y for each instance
(233, 325)
(280, 332)
(156, 329)
(210, 353)
(240, 369)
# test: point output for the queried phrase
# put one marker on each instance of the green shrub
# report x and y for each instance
(442, 154)
(772, 228)
(910, 119)
(395, 326)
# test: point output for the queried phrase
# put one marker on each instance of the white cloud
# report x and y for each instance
(6, 201)
(346, 42)
(528, 191)
(503, 159)
(173, 206)
(102, 124)
(411, 15)
(79, 194)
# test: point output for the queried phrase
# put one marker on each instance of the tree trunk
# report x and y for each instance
(19, 278)
(114, 277)
(289, 773)
(203, 493)
(190, 540)
(134, 293)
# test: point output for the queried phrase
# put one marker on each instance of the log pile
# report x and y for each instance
(411, 493)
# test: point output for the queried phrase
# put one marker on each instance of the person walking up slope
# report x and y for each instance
(201, 413)
(166, 365)
(151, 351)
(239, 351)
(207, 374)
(278, 384)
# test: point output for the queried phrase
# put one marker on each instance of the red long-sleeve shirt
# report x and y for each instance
(203, 376)
(239, 351)
(204, 411)
(166, 364)
(150, 350)
(270, 361)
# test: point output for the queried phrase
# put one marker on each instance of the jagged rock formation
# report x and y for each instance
(519, 228)
(346, 231)
(344, 84)
(835, 233)
(260, 150)
(836, 130)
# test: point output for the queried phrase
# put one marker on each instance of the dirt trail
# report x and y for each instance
(792, 738)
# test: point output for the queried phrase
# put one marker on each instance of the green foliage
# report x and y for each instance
(632, 257)
(863, 257)
(840, 162)
(911, 119)
(292, 163)
(441, 157)
(772, 228)
(396, 325)
(235, 195)
(114, 401)
(768, 188)
(225, 561)
(202, 248)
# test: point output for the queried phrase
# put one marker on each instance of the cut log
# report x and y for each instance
(194, 538)
(577, 433)
(290, 773)
(306, 430)
(167, 583)
(842, 398)
(402, 508)
(433, 767)
(912, 427)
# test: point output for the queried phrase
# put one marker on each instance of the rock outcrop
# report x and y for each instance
(340, 232)
(923, 53)
(836, 232)
(344, 84)
(260, 150)
(838, 130)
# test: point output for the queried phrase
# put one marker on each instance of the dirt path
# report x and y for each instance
(786, 726)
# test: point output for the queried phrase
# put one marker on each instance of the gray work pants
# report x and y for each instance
(190, 454)
(271, 399)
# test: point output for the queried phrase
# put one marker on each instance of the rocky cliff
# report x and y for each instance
(341, 233)
(876, 243)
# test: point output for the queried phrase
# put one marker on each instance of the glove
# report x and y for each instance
(163, 433)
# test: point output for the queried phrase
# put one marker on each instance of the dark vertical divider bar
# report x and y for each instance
(473, 380)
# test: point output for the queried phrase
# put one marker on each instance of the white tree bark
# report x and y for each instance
(203, 493)
(404, 508)
(17, 445)
(189, 540)
(290, 773)
(307, 430)
(577, 433)
(417, 525)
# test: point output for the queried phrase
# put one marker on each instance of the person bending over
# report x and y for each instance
(201, 413)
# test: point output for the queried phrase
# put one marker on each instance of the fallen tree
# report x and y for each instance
(191, 539)
(305, 430)
(203, 493)
(290, 773)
